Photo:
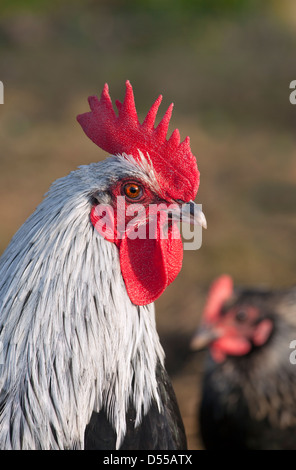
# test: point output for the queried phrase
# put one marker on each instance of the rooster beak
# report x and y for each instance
(204, 336)
(189, 212)
(193, 214)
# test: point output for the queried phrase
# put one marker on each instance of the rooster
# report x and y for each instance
(82, 365)
(249, 384)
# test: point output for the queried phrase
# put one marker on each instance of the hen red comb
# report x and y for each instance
(220, 291)
(174, 165)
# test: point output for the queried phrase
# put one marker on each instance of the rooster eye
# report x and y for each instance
(133, 190)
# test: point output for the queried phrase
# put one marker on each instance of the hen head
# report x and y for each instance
(233, 324)
(151, 185)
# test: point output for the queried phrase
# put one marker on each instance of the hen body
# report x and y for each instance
(249, 399)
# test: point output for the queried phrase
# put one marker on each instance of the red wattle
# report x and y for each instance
(229, 346)
(147, 265)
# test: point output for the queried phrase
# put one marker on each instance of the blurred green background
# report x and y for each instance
(227, 66)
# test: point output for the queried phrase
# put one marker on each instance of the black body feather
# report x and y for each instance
(157, 431)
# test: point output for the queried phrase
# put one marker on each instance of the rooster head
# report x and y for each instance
(232, 324)
(149, 176)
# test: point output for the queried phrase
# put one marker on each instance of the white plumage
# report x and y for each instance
(82, 363)
(72, 339)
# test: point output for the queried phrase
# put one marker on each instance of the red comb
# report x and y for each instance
(220, 291)
(175, 166)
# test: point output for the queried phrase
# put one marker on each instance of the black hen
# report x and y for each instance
(249, 384)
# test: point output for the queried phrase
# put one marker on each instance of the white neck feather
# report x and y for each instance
(72, 340)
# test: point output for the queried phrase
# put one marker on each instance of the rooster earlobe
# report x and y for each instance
(102, 218)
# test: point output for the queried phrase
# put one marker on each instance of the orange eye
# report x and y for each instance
(133, 190)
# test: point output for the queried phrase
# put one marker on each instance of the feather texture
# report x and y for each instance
(73, 342)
